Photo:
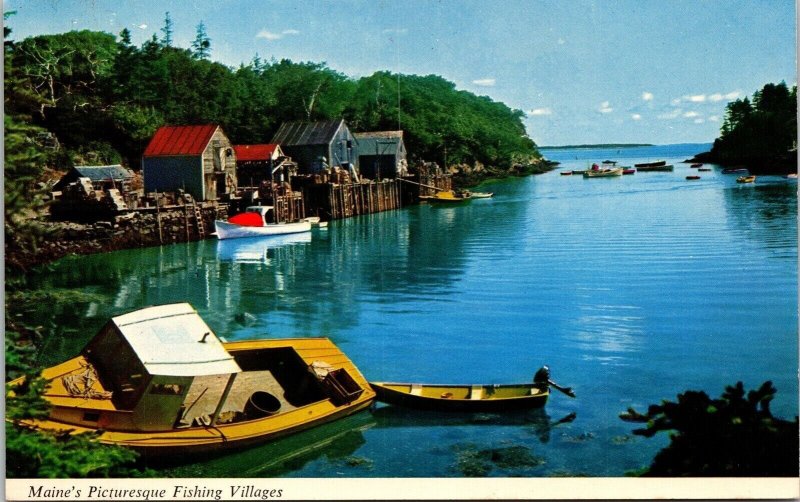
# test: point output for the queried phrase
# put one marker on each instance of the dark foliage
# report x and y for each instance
(762, 133)
(735, 435)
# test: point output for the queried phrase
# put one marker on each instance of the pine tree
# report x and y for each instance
(201, 46)
(167, 30)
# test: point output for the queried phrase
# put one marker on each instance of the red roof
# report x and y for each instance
(180, 140)
(254, 152)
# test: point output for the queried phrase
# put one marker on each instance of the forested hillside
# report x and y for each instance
(103, 98)
(760, 133)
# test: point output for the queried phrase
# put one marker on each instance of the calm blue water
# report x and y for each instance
(631, 289)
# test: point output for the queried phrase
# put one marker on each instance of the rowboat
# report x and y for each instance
(746, 179)
(483, 397)
(160, 381)
(566, 173)
(628, 171)
(697, 165)
(660, 167)
(693, 177)
(481, 195)
(651, 164)
(705, 169)
(254, 222)
(447, 196)
(602, 173)
(735, 170)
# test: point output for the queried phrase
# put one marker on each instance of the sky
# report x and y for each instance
(582, 71)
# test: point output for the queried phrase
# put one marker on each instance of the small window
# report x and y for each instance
(90, 416)
(169, 389)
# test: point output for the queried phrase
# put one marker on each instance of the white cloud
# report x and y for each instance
(713, 118)
(689, 115)
(269, 35)
(540, 111)
(605, 107)
(636, 116)
(716, 97)
(697, 98)
(647, 96)
(142, 26)
(733, 95)
(484, 82)
(699, 121)
(671, 114)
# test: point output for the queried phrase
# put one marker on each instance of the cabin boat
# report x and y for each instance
(652, 164)
(447, 196)
(160, 381)
(746, 179)
(255, 222)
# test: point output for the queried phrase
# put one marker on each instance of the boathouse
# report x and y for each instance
(101, 177)
(257, 164)
(316, 146)
(198, 159)
(381, 154)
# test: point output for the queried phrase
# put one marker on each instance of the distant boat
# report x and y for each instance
(566, 173)
(446, 196)
(654, 168)
(628, 171)
(693, 177)
(735, 170)
(704, 169)
(481, 195)
(253, 223)
(578, 172)
(746, 179)
(651, 164)
(602, 173)
(697, 165)
(792, 176)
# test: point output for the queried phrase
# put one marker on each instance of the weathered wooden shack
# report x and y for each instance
(316, 146)
(381, 154)
(257, 164)
(197, 159)
(101, 177)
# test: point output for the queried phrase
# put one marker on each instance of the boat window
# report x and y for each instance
(170, 389)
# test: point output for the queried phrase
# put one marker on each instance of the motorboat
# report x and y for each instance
(256, 221)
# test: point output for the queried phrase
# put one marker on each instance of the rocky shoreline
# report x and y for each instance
(776, 165)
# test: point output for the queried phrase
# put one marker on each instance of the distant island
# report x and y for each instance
(602, 145)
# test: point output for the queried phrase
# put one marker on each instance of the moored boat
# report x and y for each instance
(746, 179)
(655, 168)
(704, 169)
(735, 170)
(652, 164)
(447, 196)
(481, 195)
(158, 380)
(693, 177)
(483, 397)
(697, 164)
(566, 173)
(629, 171)
(254, 223)
(603, 173)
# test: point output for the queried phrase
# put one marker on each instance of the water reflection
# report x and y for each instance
(537, 421)
(336, 442)
(763, 210)
(256, 249)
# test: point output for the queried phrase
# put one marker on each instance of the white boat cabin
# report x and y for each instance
(152, 359)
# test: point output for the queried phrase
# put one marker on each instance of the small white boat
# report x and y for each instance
(254, 223)
(482, 195)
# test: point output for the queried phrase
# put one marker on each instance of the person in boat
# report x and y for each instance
(595, 167)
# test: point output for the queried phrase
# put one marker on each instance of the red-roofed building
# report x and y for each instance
(197, 159)
(256, 164)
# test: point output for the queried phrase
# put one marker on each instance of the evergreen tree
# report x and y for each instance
(167, 30)
(201, 46)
